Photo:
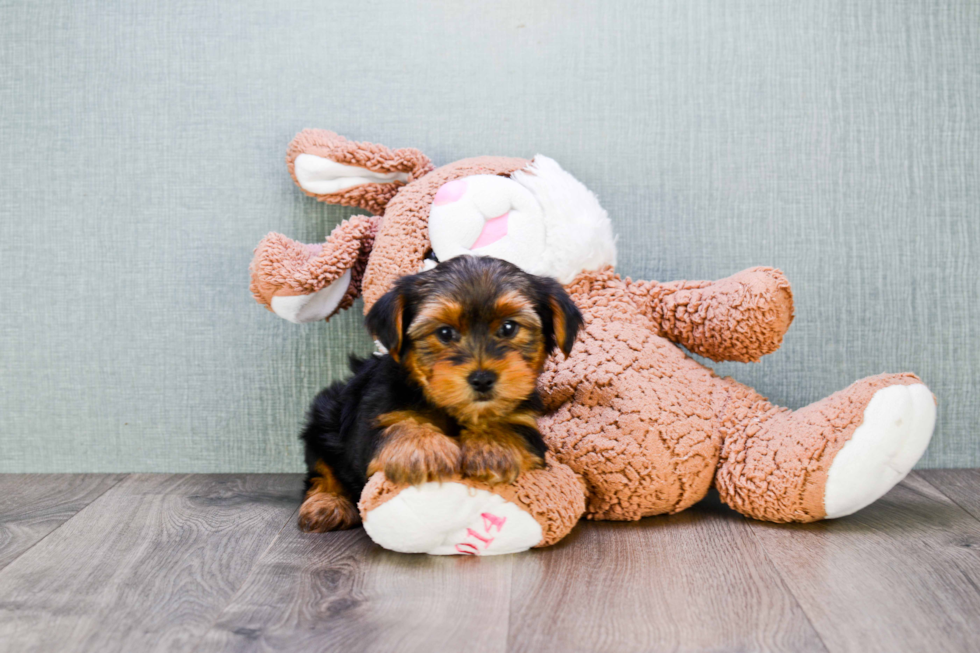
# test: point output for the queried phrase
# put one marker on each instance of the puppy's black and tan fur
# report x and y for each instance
(454, 395)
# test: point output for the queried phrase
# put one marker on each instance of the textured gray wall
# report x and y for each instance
(141, 160)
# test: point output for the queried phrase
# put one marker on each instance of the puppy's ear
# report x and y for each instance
(338, 171)
(560, 317)
(389, 318)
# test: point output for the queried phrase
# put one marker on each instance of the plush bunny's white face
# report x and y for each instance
(487, 215)
(541, 219)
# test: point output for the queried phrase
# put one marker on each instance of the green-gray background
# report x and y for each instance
(141, 160)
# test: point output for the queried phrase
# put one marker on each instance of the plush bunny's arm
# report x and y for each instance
(740, 318)
(306, 283)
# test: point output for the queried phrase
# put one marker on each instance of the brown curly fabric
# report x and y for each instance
(632, 413)
(741, 318)
(283, 267)
(554, 496)
(646, 426)
(378, 158)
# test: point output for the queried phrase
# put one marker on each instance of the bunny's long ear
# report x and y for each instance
(338, 171)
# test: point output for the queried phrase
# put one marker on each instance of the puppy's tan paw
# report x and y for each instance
(322, 512)
(496, 463)
(416, 453)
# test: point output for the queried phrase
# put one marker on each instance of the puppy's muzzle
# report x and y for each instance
(482, 381)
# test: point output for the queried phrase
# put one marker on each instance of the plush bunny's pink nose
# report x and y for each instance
(450, 192)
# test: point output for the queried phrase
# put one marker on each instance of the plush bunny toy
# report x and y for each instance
(636, 427)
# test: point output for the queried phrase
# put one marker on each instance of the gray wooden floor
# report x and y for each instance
(216, 563)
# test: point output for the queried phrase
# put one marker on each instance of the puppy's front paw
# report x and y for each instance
(496, 462)
(490, 463)
(415, 453)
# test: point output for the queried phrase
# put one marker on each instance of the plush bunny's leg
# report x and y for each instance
(827, 460)
(306, 283)
(465, 517)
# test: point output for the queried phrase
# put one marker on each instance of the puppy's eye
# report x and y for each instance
(446, 334)
(508, 329)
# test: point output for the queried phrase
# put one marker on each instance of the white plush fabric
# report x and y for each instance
(896, 429)
(322, 176)
(311, 308)
(451, 519)
(455, 227)
(554, 225)
(579, 235)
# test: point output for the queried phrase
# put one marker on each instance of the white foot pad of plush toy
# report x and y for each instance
(897, 427)
(314, 307)
(451, 519)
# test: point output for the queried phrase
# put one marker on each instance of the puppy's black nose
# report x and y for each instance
(482, 380)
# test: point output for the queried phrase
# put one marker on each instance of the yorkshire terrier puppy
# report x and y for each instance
(454, 395)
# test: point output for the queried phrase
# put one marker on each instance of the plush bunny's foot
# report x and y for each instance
(451, 519)
(893, 435)
(306, 283)
(300, 309)
(291, 280)
(466, 517)
(826, 460)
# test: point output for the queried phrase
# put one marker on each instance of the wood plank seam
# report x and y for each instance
(966, 509)
(59, 526)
